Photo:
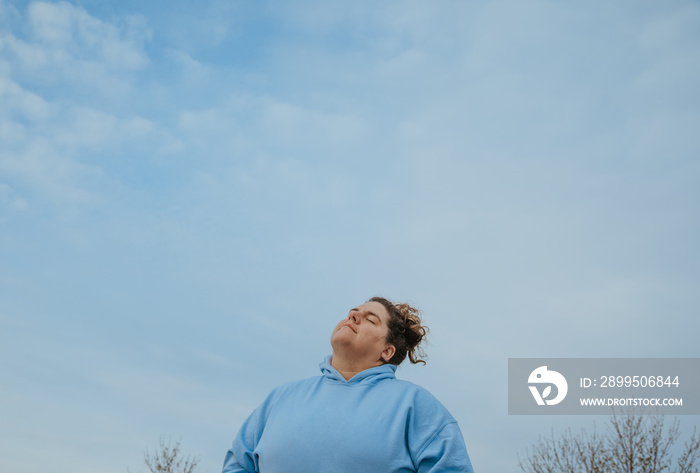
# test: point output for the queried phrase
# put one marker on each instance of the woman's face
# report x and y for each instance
(362, 334)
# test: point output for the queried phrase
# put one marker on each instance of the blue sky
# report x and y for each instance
(192, 194)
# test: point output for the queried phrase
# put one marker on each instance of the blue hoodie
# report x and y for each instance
(372, 423)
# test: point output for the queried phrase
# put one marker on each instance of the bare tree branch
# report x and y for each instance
(687, 463)
(168, 459)
(632, 443)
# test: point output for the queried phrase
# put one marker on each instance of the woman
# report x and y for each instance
(356, 416)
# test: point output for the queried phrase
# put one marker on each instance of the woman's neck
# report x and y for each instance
(349, 367)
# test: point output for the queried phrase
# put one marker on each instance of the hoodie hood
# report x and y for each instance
(370, 376)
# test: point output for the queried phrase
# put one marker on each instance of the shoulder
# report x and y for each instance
(300, 385)
(285, 391)
(421, 400)
(413, 390)
(428, 422)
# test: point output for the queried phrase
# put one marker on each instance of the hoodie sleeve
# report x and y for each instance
(444, 452)
(435, 442)
(232, 466)
(241, 457)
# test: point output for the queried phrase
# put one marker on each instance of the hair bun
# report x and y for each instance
(406, 331)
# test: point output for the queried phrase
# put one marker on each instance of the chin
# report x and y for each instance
(339, 340)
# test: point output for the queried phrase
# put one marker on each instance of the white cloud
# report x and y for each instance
(63, 46)
(187, 62)
(297, 126)
(57, 178)
(30, 56)
(89, 129)
(59, 59)
(62, 27)
(46, 147)
(10, 199)
(12, 133)
(27, 104)
(267, 123)
(8, 12)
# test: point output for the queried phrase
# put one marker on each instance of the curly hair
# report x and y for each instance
(406, 331)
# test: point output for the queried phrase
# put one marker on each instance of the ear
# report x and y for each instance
(388, 353)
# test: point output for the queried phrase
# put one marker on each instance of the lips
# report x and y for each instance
(349, 325)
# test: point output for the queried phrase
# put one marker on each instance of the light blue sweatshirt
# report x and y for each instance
(372, 423)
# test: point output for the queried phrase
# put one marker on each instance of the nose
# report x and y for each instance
(354, 316)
